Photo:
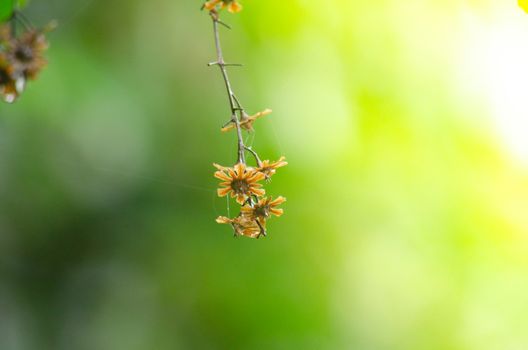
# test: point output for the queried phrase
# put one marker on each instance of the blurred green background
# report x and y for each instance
(406, 226)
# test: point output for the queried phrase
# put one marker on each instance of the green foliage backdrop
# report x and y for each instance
(405, 226)
(8, 6)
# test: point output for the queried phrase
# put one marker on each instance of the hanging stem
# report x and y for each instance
(233, 102)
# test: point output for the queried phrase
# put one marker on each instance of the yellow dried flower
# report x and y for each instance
(243, 226)
(241, 182)
(262, 210)
(269, 169)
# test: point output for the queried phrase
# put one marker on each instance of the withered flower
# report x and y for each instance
(243, 226)
(246, 122)
(268, 168)
(21, 58)
(26, 53)
(233, 6)
(241, 182)
(262, 210)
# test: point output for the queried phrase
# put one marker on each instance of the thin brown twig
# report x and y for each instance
(233, 102)
(254, 153)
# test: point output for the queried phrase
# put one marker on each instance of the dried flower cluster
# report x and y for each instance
(21, 57)
(242, 181)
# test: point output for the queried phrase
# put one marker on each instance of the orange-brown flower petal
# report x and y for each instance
(222, 176)
(240, 168)
(277, 201)
(228, 127)
(220, 167)
(222, 192)
(276, 212)
(240, 198)
(223, 220)
(258, 192)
